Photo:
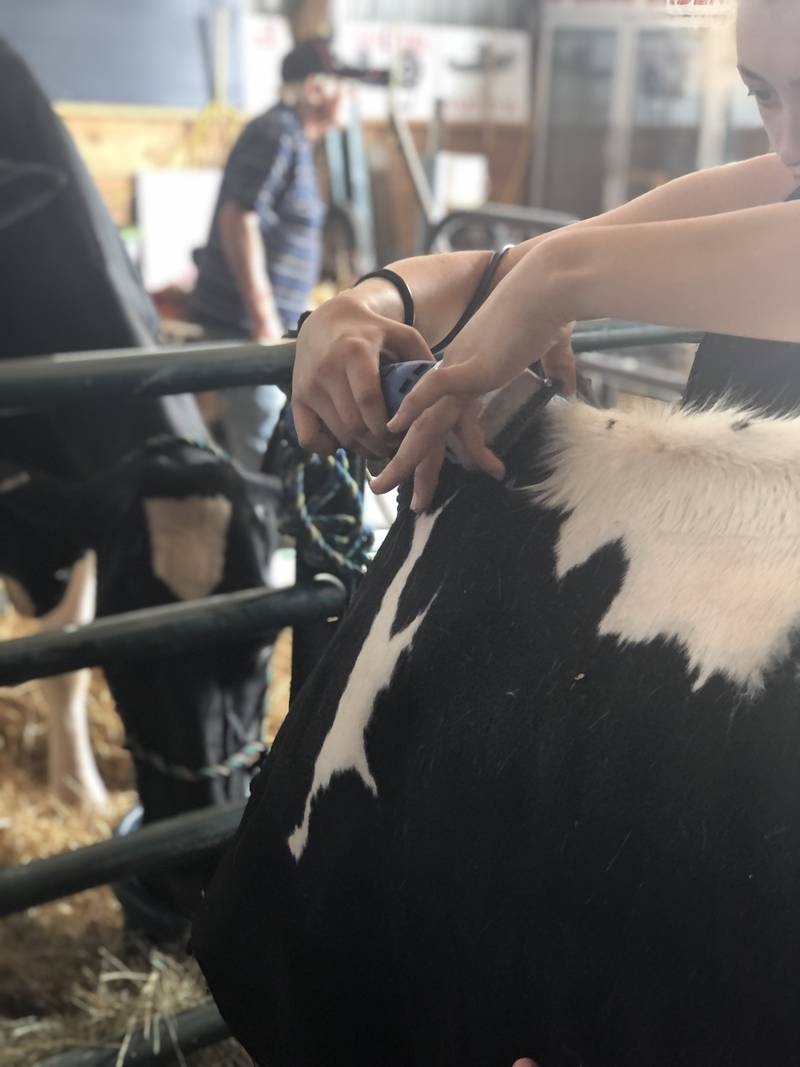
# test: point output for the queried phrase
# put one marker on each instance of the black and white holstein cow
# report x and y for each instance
(542, 797)
(135, 480)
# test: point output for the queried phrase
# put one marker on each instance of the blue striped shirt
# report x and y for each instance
(271, 171)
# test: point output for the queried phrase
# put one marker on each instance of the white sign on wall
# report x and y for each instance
(174, 208)
(408, 51)
(484, 75)
(265, 41)
(480, 74)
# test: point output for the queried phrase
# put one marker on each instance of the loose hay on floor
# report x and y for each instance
(68, 977)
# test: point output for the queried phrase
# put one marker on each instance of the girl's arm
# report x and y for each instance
(336, 379)
(442, 283)
(730, 273)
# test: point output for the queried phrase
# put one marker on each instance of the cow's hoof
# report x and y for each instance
(146, 914)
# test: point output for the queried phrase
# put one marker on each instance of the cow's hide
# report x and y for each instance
(174, 520)
(541, 796)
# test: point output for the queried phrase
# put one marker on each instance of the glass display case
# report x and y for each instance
(628, 98)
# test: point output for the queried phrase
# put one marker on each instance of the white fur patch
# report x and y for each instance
(187, 542)
(709, 520)
(343, 748)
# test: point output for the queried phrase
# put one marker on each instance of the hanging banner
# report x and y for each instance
(409, 51)
(480, 75)
(265, 41)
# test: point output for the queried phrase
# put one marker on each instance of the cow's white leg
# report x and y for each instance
(71, 768)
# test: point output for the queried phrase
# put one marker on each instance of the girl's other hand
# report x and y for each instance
(448, 401)
(336, 390)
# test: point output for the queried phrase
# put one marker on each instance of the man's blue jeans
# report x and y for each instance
(251, 412)
(249, 419)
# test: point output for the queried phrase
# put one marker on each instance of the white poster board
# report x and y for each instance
(484, 75)
(174, 209)
(460, 181)
(265, 41)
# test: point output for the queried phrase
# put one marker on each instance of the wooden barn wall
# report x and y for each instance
(118, 141)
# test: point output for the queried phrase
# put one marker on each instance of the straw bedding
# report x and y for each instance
(68, 977)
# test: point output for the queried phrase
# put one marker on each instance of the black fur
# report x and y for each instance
(573, 855)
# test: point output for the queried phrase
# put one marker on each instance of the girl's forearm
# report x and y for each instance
(442, 284)
(729, 273)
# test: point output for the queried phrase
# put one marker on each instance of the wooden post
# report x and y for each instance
(310, 18)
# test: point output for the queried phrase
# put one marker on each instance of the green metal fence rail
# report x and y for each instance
(533, 219)
(164, 631)
(58, 380)
(631, 375)
(610, 334)
(168, 1040)
(61, 379)
(154, 849)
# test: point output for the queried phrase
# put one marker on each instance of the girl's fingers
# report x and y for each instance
(465, 378)
(426, 478)
(426, 437)
(405, 343)
(364, 383)
(311, 432)
(474, 449)
(349, 426)
(349, 408)
(559, 366)
(422, 451)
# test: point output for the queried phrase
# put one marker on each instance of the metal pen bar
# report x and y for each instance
(164, 631)
(53, 381)
(416, 171)
(154, 849)
(627, 373)
(608, 334)
(185, 1032)
(542, 220)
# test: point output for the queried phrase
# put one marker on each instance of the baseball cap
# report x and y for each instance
(314, 56)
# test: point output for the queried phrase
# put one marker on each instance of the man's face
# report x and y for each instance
(324, 104)
(768, 45)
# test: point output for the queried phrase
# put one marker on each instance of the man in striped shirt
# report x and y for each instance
(264, 249)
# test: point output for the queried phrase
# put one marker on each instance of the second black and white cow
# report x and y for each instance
(542, 796)
(136, 479)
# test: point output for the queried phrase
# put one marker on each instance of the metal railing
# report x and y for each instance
(150, 633)
(435, 226)
(57, 380)
(612, 372)
(61, 379)
(533, 220)
(608, 334)
(627, 374)
(154, 849)
(188, 1031)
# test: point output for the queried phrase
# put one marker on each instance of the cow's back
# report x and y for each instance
(493, 826)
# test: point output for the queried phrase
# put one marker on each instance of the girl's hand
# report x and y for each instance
(336, 392)
(422, 450)
(448, 401)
